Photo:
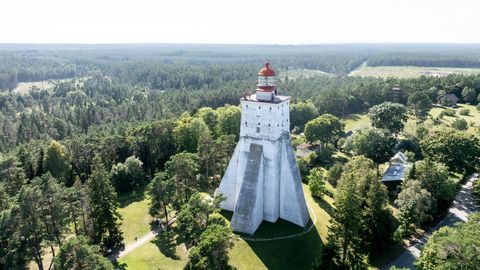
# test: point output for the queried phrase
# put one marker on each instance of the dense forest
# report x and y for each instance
(166, 117)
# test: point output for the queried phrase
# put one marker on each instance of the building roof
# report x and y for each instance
(266, 71)
(395, 172)
(450, 97)
(308, 146)
(399, 158)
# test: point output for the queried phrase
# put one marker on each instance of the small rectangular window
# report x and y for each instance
(258, 129)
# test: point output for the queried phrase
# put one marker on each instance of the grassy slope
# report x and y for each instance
(410, 71)
(280, 254)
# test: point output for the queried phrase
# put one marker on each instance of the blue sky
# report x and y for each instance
(245, 21)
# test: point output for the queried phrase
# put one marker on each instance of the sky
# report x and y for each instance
(239, 21)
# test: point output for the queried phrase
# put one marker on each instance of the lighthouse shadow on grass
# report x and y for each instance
(293, 253)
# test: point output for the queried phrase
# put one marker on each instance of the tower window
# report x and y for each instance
(259, 107)
(246, 123)
(268, 124)
(258, 129)
(270, 108)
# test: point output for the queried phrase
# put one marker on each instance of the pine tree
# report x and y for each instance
(162, 194)
(104, 214)
(31, 227)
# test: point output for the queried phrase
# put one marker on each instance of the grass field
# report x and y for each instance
(410, 71)
(165, 253)
(473, 119)
(355, 121)
(136, 220)
(304, 73)
(25, 87)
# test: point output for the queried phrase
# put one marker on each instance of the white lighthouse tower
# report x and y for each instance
(262, 180)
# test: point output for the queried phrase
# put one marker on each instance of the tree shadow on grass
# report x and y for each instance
(125, 199)
(324, 205)
(167, 243)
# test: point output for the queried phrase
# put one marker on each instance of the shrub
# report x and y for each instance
(464, 112)
(460, 124)
(476, 190)
(447, 112)
(340, 143)
(315, 183)
(324, 155)
(335, 173)
(303, 167)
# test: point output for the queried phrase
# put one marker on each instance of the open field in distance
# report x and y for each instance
(410, 71)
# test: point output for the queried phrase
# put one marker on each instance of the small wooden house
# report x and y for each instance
(305, 149)
(396, 170)
(449, 100)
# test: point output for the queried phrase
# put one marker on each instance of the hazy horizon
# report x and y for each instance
(305, 22)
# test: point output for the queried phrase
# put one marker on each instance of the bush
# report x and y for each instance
(335, 173)
(464, 112)
(303, 167)
(460, 124)
(315, 183)
(476, 190)
(340, 143)
(329, 193)
(447, 112)
(129, 175)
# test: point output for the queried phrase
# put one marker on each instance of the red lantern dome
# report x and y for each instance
(266, 79)
(266, 71)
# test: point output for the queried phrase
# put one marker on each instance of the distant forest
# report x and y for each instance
(199, 66)
(127, 84)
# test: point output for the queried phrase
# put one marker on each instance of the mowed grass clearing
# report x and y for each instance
(473, 119)
(410, 71)
(356, 121)
(294, 253)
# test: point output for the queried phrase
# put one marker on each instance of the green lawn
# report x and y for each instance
(136, 220)
(280, 254)
(149, 256)
(473, 118)
(355, 121)
(410, 71)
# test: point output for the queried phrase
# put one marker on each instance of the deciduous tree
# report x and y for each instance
(453, 247)
(76, 253)
(372, 143)
(389, 116)
(458, 150)
(325, 128)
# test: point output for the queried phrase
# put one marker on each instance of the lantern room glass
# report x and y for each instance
(266, 80)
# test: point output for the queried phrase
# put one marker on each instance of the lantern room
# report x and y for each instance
(266, 89)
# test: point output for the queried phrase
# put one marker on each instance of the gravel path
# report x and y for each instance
(142, 240)
(462, 206)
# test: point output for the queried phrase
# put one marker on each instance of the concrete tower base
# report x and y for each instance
(262, 182)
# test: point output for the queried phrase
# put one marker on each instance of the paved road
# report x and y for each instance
(462, 206)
